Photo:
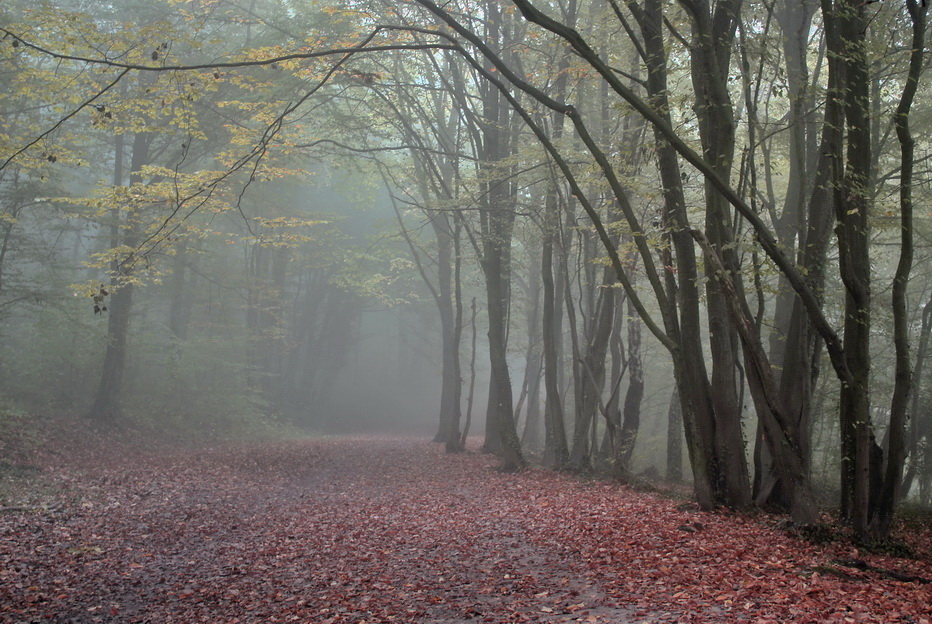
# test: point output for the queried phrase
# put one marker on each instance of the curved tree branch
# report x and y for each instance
(797, 281)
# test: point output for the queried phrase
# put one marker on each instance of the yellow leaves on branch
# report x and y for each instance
(124, 268)
(271, 53)
(104, 259)
(390, 288)
(89, 289)
(78, 34)
(289, 222)
(281, 232)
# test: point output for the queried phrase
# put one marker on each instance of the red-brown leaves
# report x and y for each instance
(391, 530)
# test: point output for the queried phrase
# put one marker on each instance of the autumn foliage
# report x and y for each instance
(395, 530)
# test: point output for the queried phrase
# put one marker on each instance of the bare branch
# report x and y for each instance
(361, 47)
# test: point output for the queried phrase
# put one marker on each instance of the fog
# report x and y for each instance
(391, 382)
(328, 333)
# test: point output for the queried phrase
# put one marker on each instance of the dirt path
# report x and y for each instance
(334, 531)
(393, 530)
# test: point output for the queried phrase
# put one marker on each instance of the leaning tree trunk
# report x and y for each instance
(693, 394)
(786, 454)
(896, 449)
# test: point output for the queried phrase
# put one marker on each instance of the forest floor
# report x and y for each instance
(384, 530)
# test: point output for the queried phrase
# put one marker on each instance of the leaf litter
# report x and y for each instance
(378, 530)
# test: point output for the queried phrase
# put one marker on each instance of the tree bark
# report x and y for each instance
(783, 449)
(846, 22)
(795, 345)
(592, 375)
(555, 444)
(919, 419)
(498, 219)
(631, 412)
(896, 449)
(713, 37)
(692, 382)
(531, 435)
(107, 405)
(674, 442)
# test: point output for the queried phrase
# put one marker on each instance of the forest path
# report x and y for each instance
(335, 530)
(394, 530)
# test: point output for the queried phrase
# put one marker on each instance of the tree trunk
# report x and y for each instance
(713, 36)
(896, 433)
(107, 407)
(531, 436)
(451, 384)
(846, 22)
(472, 376)
(793, 343)
(919, 419)
(456, 441)
(767, 399)
(592, 373)
(556, 448)
(631, 421)
(674, 442)
(798, 348)
(497, 221)
(501, 413)
(611, 411)
(183, 283)
(689, 368)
